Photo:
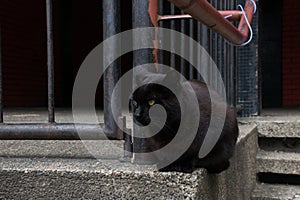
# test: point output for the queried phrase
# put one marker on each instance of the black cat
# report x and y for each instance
(151, 94)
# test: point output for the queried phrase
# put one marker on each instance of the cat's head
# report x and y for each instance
(149, 94)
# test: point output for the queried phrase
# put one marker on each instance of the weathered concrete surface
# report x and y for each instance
(277, 123)
(61, 149)
(239, 180)
(279, 128)
(276, 192)
(278, 162)
(277, 154)
(30, 177)
(91, 179)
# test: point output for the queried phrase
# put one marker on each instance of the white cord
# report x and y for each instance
(254, 6)
(248, 24)
(227, 16)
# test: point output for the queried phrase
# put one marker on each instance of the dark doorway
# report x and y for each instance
(270, 32)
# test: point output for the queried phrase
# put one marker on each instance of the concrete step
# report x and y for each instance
(279, 128)
(276, 124)
(276, 192)
(42, 178)
(102, 149)
(66, 170)
(278, 162)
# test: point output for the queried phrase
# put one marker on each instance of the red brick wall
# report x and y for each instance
(24, 52)
(291, 52)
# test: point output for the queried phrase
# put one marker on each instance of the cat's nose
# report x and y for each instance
(137, 114)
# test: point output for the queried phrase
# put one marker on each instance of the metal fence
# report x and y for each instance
(67, 131)
(248, 75)
(238, 65)
(223, 54)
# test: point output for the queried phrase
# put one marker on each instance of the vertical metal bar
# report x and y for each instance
(228, 62)
(111, 26)
(172, 58)
(233, 59)
(183, 45)
(226, 69)
(220, 55)
(50, 62)
(199, 51)
(235, 75)
(234, 65)
(204, 60)
(141, 18)
(214, 54)
(210, 50)
(191, 49)
(1, 102)
(160, 35)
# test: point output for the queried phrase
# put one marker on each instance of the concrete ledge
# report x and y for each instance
(278, 162)
(91, 179)
(61, 149)
(74, 177)
(239, 180)
(278, 128)
(276, 192)
(275, 126)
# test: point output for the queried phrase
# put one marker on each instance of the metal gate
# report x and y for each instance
(223, 54)
(66, 131)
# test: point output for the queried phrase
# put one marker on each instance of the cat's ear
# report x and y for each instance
(172, 78)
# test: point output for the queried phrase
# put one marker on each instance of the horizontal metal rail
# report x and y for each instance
(53, 131)
(232, 15)
(204, 12)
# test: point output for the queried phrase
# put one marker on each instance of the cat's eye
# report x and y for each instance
(134, 103)
(151, 102)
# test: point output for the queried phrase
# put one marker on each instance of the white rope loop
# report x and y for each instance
(248, 24)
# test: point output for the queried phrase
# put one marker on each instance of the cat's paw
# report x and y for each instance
(178, 168)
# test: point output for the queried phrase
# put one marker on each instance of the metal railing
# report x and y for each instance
(223, 54)
(1, 95)
(68, 131)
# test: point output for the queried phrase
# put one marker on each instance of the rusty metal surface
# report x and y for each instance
(249, 11)
(204, 12)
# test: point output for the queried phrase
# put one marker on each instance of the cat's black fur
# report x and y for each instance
(218, 159)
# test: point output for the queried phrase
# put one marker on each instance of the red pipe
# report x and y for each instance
(231, 15)
(207, 14)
